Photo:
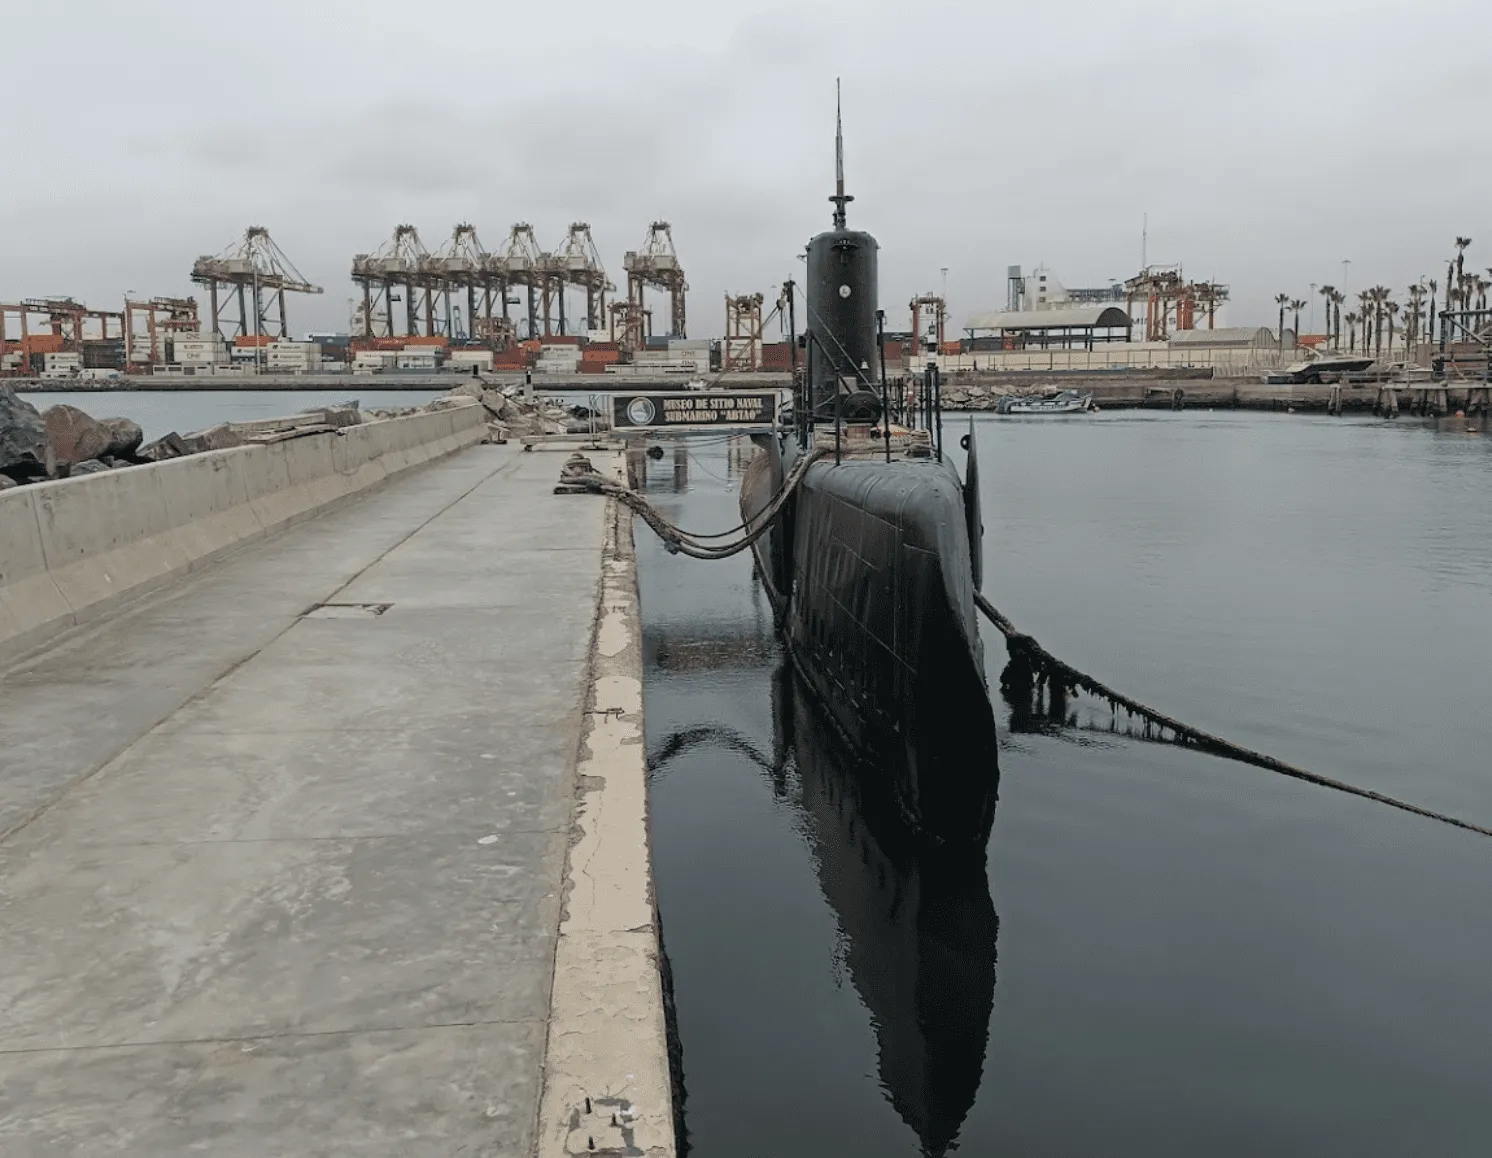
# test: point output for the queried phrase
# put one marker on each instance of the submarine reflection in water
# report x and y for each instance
(919, 928)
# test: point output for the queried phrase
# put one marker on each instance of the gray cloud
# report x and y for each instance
(1267, 142)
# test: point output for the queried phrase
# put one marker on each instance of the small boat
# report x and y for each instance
(1057, 402)
(1310, 372)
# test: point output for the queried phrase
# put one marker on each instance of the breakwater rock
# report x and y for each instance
(23, 438)
(64, 441)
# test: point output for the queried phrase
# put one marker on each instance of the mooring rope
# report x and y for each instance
(579, 472)
(1023, 648)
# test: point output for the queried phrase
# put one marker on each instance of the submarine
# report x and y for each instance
(872, 558)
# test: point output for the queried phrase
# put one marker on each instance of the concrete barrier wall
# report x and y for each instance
(70, 550)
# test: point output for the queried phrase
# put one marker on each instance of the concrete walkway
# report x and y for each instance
(283, 881)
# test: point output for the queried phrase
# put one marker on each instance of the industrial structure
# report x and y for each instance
(522, 262)
(743, 332)
(578, 263)
(254, 271)
(929, 322)
(461, 265)
(150, 325)
(657, 265)
(415, 309)
(56, 336)
(400, 264)
(1171, 301)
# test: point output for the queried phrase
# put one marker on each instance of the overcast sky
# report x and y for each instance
(1267, 141)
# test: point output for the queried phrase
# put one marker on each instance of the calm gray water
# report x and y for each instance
(160, 412)
(1168, 954)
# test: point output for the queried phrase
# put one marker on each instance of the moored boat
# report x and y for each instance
(1056, 402)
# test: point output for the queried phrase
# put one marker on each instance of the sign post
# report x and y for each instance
(694, 410)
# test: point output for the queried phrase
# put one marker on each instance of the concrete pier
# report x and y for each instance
(288, 848)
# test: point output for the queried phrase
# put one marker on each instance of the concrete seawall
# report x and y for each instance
(71, 550)
(339, 845)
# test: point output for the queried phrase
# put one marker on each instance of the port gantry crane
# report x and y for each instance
(162, 318)
(402, 261)
(521, 262)
(578, 263)
(254, 266)
(462, 263)
(655, 264)
(63, 326)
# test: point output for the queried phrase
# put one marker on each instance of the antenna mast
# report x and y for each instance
(840, 196)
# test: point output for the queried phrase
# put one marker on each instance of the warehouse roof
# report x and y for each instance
(1073, 318)
(1251, 336)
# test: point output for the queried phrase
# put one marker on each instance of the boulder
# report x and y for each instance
(6, 482)
(23, 434)
(469, 390)
(74, 436)
(125, 436)
(170, 446)
(219, 437)
(92, 466)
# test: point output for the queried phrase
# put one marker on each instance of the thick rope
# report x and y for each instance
(579, 472)
(1025, 649)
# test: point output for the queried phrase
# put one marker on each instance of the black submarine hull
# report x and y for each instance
(869, 574)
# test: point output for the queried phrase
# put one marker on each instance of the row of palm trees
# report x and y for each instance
(1377, 311)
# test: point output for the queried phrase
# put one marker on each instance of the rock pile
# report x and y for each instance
(65, 441)
(517, 416)
(62, 441)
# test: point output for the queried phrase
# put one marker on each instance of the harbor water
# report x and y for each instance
(1166, 953)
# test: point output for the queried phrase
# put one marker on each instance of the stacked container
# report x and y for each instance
(201, 349)
(292, 357)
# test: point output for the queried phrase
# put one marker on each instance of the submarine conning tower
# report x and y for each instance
(841, 296)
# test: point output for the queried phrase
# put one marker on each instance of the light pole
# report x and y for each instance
(257, 369)
(1345, 263)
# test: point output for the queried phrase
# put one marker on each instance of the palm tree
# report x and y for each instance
(1326, 292)
(1297, 305)
(1282, 300)
(1380, 308)
(1430, 325)
(1351, 333)
(1411, 318)
(1461, 245)
(1390, 308)
(1365, 316)
(1336, 300)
